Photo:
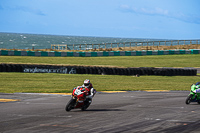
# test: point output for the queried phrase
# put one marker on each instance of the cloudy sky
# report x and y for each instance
(158, 19)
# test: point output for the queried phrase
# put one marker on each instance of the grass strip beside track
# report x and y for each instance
(64, 83)
(117, 61)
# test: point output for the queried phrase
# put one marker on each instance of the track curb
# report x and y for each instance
(9, 100)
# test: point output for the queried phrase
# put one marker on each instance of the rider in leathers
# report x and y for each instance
(90, 89)
(197, 87)
(87, 84)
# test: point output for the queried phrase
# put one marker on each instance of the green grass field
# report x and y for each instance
(59, 83)
(120, 61)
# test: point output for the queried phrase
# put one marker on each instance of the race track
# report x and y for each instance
(138, 112)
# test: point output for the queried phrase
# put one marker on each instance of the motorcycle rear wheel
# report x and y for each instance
(188, 99)
(69, 105)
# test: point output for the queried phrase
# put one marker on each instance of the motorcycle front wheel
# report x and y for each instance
(69, 105)
(188, 99)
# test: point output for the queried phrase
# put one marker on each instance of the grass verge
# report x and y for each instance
(117, 61)
(63, 83)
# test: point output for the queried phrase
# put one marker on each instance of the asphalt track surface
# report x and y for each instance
(127, 112)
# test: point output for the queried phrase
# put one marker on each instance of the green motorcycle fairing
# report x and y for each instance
(196, 96)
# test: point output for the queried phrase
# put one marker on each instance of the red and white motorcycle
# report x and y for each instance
(78, 99)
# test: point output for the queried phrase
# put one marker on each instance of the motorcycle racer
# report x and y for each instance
(194, 95)
(88, 85)
(197, 87)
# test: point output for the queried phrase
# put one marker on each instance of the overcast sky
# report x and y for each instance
(158, 19)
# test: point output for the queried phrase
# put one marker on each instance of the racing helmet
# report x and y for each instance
(198, 83)
(87, 83)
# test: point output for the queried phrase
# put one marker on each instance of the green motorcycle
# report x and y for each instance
(194, 96)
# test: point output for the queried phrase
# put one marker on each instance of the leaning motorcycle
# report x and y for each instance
(193, 97)
(78, 99)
